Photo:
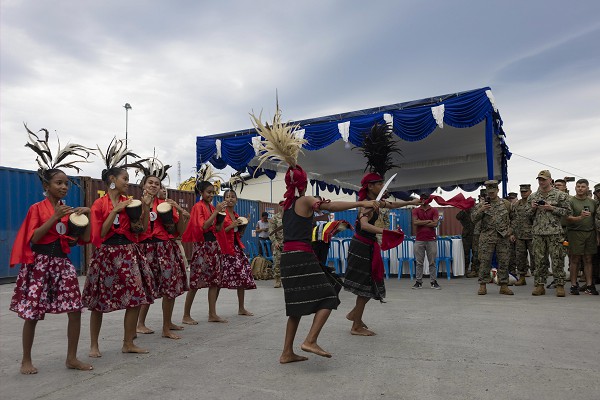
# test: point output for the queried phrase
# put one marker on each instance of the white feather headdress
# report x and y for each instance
(116, 154)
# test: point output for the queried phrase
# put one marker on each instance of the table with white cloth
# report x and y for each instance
(458, 258)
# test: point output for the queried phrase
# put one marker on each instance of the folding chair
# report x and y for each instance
(334, 255)
(407, 254)
(266, 249)
(444, 249)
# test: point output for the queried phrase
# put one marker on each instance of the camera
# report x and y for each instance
(540, 202)
(488, 200)
(586, 208)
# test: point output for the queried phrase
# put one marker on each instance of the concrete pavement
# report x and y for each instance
(431, 344)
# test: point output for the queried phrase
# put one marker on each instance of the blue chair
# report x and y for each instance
(407, 254)
(251, 249)
(385, 256)
(444, 248)
(344, 248)
(266, 249)
(334, 255)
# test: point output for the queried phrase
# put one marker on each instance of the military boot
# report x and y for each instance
(482, 289)
(277, 283)
(521, 281)
(560, 291)
(539, 290)
(505, 290)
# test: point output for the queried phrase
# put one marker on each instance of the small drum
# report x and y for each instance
(165, 213)
(134, 210)
(221, 217)
(77, 224)
(243, 220)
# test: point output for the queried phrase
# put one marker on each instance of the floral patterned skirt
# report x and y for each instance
(237, 273)
(49, 285)
(118, 278)
(205, 267)
(166, 262)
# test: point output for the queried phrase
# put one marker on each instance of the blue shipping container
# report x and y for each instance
(22, 189)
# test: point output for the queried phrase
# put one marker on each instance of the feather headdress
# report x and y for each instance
(378, 147)
(152, 167)
(281, 142)
(46, 161)
(206, 173)
(236, 180)
(116, 155)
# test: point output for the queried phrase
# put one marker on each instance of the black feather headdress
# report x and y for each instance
(378, 147)
(116, 155)
(152, 167)
(206, 173)
(46, 161)
(237, 180)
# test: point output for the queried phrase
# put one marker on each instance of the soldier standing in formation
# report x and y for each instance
(468, 227)
(494, 236)
(521, 227)
(548, 205)
(476, 232)
(276, 236)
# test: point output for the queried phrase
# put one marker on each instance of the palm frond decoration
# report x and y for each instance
(378, 147)
(281, 143)
(45, 159)
(152, 166)
(116, 153)
(206, 173)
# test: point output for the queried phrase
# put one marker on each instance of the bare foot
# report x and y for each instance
(132, 348)
(362, 332)
(144, 329)
(216, 318)
(94, 353)
(170, 335)
(76, 364)
(316, 349)
(290, 358)
(174, 327)
(189, 321)
(350, 317)
(27, 368)
(245, 312)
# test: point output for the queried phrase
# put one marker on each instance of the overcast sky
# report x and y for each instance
(191, 68)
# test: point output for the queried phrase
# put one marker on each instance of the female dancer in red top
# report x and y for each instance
(237, 273)
(162, 253)
(47, 281)
(205, 266)
(118, 276)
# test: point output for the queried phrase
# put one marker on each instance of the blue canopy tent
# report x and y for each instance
(450, 141)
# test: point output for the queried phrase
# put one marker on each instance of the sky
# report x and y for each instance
(194, 68)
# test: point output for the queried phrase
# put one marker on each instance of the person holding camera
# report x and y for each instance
(581, 235)
(494, 214)
(548, 205)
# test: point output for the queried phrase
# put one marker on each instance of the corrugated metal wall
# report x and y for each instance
(249, 209)
(21, 189)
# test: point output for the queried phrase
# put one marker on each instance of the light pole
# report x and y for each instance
(127, 107)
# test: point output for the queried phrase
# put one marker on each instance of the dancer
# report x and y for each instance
(306, 287)
(162, 253)
(118, 276)
(364, 275)
(237, 273)
(205, 266)
(47, 281)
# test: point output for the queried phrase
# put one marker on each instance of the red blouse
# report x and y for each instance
(228, 239)
(156, 229)
(195, 231)
(100, 210)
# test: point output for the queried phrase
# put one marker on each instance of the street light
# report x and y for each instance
(127, 107)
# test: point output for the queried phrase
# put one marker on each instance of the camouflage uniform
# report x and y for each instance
(468, 228)
(277, 243)
(521, 227)
(494, 235)
(548, 234)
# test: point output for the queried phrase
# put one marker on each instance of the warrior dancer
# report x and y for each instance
(47, 281)
(364, 275)
(162, 253)
(205, 266)
(118, 276)
(307, 289)
(237, 273)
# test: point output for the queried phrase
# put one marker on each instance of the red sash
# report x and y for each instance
(377, 270)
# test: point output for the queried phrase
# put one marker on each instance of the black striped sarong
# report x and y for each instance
(358, 279)
(306, 288)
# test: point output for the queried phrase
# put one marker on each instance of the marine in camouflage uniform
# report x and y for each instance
(494, 236)
(521, 227)
(476, 231)
(468, 228)
(277, 241)
(547, 231)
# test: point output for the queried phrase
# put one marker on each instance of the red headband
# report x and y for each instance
(295, 182)
(364, 182)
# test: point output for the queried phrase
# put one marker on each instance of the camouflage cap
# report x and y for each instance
(544, 174)
(512, 195)
(525, 186)
(492, 184)
(596, 187)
